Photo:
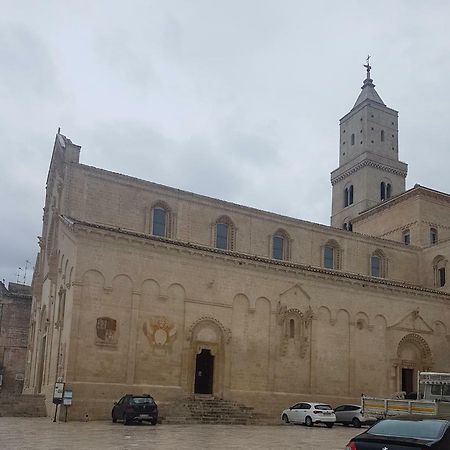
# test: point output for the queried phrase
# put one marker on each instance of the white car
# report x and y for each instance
(309, 414)
(351, 414)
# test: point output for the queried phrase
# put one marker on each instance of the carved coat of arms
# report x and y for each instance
(159, 331)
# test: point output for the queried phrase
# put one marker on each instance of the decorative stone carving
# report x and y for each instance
(295, 325)
(106, 332)
(160, 332)
(226, 332)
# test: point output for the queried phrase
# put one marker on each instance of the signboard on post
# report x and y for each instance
(58, 393)
(67, 398)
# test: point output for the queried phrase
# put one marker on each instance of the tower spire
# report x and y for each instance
(368, 81)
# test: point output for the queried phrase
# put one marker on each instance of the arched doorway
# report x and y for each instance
(206, 365)
(204, 372)
(414, 355)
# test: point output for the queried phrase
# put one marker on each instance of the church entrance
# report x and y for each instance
(407, 380)
(204, 372)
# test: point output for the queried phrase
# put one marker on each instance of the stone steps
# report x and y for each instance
(212, 410)
(19, 405)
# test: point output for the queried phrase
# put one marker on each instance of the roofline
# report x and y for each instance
(417, 189)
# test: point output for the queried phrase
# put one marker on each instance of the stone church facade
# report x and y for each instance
(140, 287)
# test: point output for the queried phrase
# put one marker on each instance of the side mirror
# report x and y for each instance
(115, 403)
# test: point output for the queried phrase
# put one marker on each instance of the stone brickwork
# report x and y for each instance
(15, 309)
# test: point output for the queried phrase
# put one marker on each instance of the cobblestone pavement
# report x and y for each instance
(42, 433)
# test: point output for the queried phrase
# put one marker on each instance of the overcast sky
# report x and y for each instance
(235, 99)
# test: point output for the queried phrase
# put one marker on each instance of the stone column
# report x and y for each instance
(134, 323)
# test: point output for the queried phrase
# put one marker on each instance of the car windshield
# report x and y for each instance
(140, 400)
(418, 429)
(323, 407)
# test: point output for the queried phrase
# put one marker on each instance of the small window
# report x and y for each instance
(222, 235)
(159, 222)
(278, 247)
(350, 195)
(441, 276)
(388, 190)
(375, 266)
(406, 237)
(292, 328)
(353, 139)
(382, 135)
(328, 257)
(433, 236)
(439, 266)
(345, 197)
(382, 191)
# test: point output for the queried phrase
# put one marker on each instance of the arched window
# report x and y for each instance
(224, 232)
(353, 139)
(347, 226)
(382, 191)
(406, 237)
(388, 190)
(161, 220)
(331, 255)
(439, 267)
(378, 264)
(382, 135)
(433, 236)
(348, 195)
(292, 328)
(280, 245)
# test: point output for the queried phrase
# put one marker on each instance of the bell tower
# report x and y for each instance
(369, 170)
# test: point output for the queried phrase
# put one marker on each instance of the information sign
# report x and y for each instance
(58, 393)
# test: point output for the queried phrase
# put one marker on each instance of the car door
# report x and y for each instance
(118, 411)
(340, 414)
(293, 413)
(305, 409)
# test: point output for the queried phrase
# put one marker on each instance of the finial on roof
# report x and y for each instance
(368, 66)
(59, 130)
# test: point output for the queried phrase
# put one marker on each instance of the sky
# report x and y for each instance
(238, 100)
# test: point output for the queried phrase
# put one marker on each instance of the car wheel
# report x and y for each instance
(113, 417)
(285, 418)
(356, 422)
(308, 421)
(153, 422)
(329, 424)
(126, 420)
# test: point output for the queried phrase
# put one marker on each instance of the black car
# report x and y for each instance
(405, 433)
(135, 408)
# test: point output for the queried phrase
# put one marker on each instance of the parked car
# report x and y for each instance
(309, 414)
(135, 408)
(405, 433)
(351, 414)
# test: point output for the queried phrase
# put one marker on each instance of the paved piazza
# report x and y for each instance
(42, 433)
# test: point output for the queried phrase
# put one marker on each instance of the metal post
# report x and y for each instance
(56, 410)
(65, 418)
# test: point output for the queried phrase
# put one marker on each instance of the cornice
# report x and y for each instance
(255, 261)
(368, 163)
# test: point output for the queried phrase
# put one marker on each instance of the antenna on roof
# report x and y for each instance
(18, 274)
(59, 130)
(27, 263)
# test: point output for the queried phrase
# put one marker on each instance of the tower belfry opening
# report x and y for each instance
(368, 156)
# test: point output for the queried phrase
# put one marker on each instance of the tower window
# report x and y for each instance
(382, 135)
(382, 191)
(348, 196)
(441, 276)
(406, 237)
(353, 139)
(433, 236)
(224, 233)
(439, 266)
(388, 190)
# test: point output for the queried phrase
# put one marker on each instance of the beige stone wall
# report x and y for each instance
(235, 307)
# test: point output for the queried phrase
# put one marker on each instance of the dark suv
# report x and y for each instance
(135, 407)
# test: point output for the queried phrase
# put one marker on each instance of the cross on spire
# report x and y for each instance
(368, 66)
